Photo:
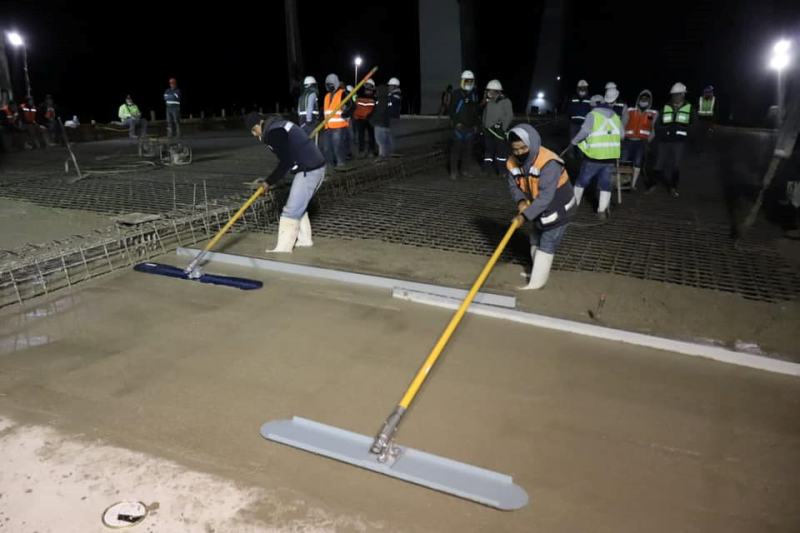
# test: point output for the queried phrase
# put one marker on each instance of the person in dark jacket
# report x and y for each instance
(172, 99)
(381, 120)
(464, 118)
(296, 154)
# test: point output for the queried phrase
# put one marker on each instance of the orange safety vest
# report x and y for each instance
(640, 124)
(530, 184)
(365, 105)
(330, 104)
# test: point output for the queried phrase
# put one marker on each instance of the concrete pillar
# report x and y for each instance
(440, 50)
(152, 116)
(548, 58)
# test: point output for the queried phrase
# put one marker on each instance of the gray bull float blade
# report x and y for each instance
(438, 473)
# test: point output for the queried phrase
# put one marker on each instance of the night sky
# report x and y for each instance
(89, 58)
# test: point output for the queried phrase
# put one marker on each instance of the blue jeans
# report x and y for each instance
(547, 239)
(132, 123)
(333, 140)
(633, 151)
(596, 169)
(173, 120)
(304, 186)
(383, 136)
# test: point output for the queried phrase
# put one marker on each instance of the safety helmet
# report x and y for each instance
(596, 100)
(678, 88)
(583, 83)
(494, 85)
(467, 75)
(309, 80)
(611, 85)
(370, 83)
(394, 81)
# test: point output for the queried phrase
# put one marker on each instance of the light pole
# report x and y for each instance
(357, 63)
(16, 41)
(779, 61)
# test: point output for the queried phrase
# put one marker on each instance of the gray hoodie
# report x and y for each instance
(548, 178)
(498, 111)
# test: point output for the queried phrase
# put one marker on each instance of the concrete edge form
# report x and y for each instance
(640, 339)
(494, 300)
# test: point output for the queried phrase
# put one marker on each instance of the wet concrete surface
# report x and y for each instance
(605, 437)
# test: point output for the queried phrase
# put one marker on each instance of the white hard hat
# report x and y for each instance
(309, 80)
(595, 100)
(370, 82)
(583, 83)
(349, 88)
(467, 75)
(611, 95)
(611, 85)
(678, 88)
(394, 81)
(494, 85)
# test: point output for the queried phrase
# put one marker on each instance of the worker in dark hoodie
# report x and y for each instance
(542, 192)
(497, 117)
(465, 119)
(639, 125)
(299, 155)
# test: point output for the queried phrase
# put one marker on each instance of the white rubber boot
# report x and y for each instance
(578, 194)
(288, 229)
(304, 239)
(540, 272)
(636, 172)
(605, 200)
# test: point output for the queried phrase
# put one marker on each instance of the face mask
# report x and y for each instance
(469, 85)
(330, 87)
(582, 92)
(644, 104)
(129, 102)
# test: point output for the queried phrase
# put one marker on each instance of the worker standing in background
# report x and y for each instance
(297, 154)
(172, 98)
(497, 116)
(365, 105)
(541, 190)
(706, 108)
(308, 105)
(578, 107)
(673, 132)
(30, 124)
(130, 116)
(333, 138)
(464, 120)
(639, 125)
(599, 139)
(347, 113)
(617, 106)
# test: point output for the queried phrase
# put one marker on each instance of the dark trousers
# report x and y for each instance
(461, 144)
(668, 163)
(365, 129)
(173, 120)
(495, 152)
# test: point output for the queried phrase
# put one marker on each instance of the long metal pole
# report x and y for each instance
(25, 65)
(779, 120)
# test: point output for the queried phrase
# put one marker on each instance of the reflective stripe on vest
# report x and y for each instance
(301, 109)
(330, 104)
(604, 140)
(705, 108)
(530, 184)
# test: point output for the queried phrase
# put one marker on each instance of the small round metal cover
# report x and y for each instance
(124, 514)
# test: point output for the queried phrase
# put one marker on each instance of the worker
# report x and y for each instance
(395, 98)
(578, 107)
(599, 139)
(673, 126)
(639, 125)
(172, 98)
(706, 107)
(50, 119)
(497, 117)
(130, 116)
(542, 192)
(365, 105)
(296, 154)
(464, 120)
(308, 105)
(617, 106)
(30, 124)
(334, 137)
